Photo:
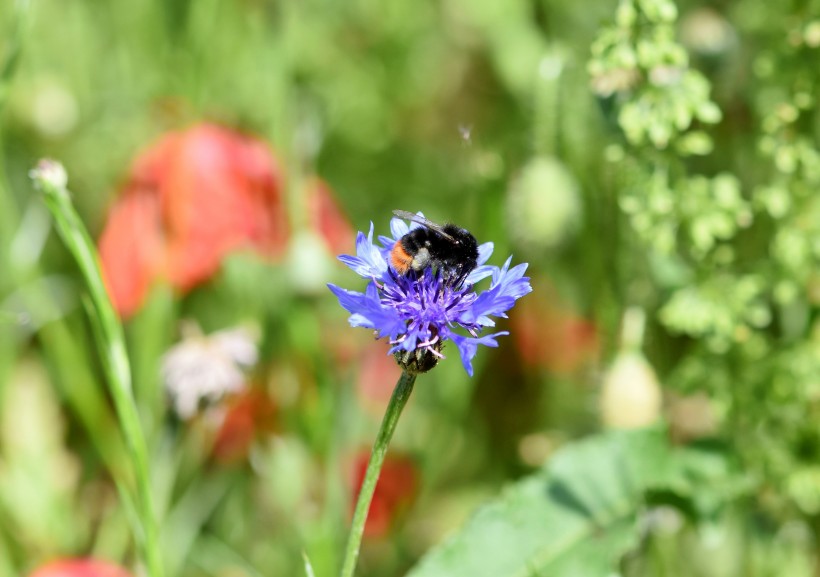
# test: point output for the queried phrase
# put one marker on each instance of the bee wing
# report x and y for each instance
(423, 222)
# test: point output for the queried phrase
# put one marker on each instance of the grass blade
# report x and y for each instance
(50, 177)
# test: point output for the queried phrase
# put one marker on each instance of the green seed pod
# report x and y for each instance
(543, 205)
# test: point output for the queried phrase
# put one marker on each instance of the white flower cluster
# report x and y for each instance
(205, 368)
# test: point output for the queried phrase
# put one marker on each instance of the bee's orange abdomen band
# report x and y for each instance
(399, 258)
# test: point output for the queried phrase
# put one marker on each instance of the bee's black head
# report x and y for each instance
(463, 253)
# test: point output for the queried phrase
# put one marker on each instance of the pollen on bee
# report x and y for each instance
(400, 259)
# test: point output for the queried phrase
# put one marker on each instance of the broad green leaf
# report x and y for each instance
(575, 517)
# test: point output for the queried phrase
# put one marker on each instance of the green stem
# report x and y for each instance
(50, 177)
(391, 416)
(15, 48)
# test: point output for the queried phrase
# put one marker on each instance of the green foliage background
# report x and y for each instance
(639, 154)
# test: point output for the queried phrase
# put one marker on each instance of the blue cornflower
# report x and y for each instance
(418, 312)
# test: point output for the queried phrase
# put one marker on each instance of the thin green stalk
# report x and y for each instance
(391, 416)
(50, 177)
(15, 48)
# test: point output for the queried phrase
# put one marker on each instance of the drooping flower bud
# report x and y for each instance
(630, 395)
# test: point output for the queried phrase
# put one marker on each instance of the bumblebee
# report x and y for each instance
(449, 249)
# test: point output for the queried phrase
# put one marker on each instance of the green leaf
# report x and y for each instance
(575, 517)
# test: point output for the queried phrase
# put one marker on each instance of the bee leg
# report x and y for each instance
(458, 277)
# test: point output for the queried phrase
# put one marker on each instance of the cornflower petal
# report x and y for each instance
(480, 273)
(468, 346)
(511, 279)
(368, 312)
(508, 285)
(485, 251)
(387, 242)
(398, 228)
(368, 262)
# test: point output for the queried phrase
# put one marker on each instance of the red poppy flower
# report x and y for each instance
(80, 568)
(396, 490)
(131, 248)
(191, 198)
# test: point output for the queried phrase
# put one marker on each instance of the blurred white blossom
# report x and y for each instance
(207, 367)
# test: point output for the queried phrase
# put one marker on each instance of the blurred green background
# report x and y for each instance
(656, 163)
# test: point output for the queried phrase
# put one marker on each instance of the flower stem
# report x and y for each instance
(14, 47)
(50, 177)
(391, 416)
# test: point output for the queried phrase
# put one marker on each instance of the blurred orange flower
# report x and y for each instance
(396, 490)
(327, 219)
(80, 568)
(378, 373)
(247, 415)
(191, 198)
(550, 334)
